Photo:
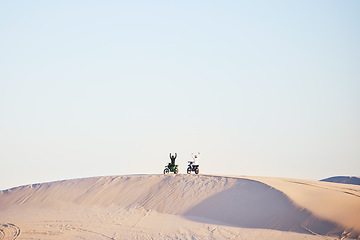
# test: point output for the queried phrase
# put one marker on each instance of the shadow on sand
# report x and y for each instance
(252, 204)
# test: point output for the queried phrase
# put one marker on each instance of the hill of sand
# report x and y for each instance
(343, 179)
(181, 207)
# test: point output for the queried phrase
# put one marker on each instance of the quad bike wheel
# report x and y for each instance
(166, 170)
(188, 170)
(176, 170)
(197, 171)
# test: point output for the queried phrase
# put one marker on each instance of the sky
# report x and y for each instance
(259, 88)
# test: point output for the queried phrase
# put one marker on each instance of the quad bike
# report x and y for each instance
(171, 168)
(193, 168)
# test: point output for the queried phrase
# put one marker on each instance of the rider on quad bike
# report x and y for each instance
(194, 165)
(171, 167)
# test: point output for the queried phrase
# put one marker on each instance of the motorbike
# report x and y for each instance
(171, 168)
(193, 168)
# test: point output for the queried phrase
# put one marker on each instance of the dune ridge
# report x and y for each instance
(236, 202)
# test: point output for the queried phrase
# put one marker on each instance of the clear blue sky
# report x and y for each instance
(265, 88)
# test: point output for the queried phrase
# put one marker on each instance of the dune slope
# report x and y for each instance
(152, 202)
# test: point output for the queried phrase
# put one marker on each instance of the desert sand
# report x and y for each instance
(181, 207)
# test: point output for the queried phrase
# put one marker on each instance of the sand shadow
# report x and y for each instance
(252, 204)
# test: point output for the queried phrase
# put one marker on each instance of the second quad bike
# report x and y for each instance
(193, 168)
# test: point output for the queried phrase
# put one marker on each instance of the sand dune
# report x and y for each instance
(179, 206)
(335, 202)
(343, 179)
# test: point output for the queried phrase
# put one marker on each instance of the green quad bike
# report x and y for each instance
(173, 168)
